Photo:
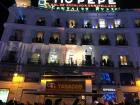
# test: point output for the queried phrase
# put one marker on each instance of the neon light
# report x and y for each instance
(79, 5)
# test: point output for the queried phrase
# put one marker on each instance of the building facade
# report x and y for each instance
(103, 44)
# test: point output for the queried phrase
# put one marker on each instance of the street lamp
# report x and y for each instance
(17, 78)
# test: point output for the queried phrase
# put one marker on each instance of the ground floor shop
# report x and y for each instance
(67, 88)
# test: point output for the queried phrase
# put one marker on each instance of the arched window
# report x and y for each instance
(55, 38)
(120, 39)
(41, 21)
(35, 58)
(39, 37)
(86, 39)
(71, 38)
(71, 23)
(17, 35)
(104, 40)
(53, 56)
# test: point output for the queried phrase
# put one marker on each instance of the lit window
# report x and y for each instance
(71, 38)
(35, 58)
(71, 23)
(102, 23)
(86, 39)
(87, 24)
(105, 57)
(123, 60)
(104, 40)
(55, 38)
(39, 38)
(137, 22)
(120, 40)
(117, 23)
(41, 21)
(53, 56)
(104, 37)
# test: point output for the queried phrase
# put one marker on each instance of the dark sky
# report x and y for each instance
(4, 4)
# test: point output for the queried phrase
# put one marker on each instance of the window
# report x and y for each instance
(87, 24)
(57, 23)
(120, 40)
(41, 21)
(20, 19)
(86, 39)
(106, 61)
(127, 79)
(123, 60)
(71, 38)
(104, 40)
(35, 58)
(117, 23)
(70, 57)
(107, 78)
(39, 38)
(137, 22)
(55, 38)
(10, 56)
(17, 35)
(53, 56)
(72, 24)
(102, 23)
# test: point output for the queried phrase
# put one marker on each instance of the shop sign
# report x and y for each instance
(109, 89)
(65, 86)
(79, 5)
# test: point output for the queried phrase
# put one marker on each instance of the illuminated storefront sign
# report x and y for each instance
(65, 86)
(4, 94)
(79, 5)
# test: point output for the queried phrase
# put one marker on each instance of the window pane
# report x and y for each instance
(117, 23)
(102, 23)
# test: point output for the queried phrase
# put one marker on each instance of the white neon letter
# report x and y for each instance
(101, 1)
(91, 2)
(68, 1)
(111, 2)
(79, 1)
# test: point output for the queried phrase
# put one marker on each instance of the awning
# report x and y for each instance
(65, 93)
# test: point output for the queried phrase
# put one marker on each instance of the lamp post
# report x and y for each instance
(17, 79)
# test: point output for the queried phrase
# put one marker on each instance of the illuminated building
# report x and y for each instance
(103, 43)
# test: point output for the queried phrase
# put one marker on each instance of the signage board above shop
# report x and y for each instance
(65, 86)
(79, 5)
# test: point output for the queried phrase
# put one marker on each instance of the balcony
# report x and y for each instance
(33, 61)
(37, 40)
(54, 40)
(107, 83)
(121, 43)
(15, 38)
(20, 21)
(86, 42)
(128, 64)
(41, 23)
(128, 83)
(71, 41)
(104, 42)
(108, 63)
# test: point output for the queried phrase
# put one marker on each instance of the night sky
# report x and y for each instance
(4, 4)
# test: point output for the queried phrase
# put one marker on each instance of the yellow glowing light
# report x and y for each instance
(43, 81)
(138, 83)
(18, 78)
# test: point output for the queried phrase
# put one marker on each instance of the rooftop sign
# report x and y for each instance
(79, 5)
